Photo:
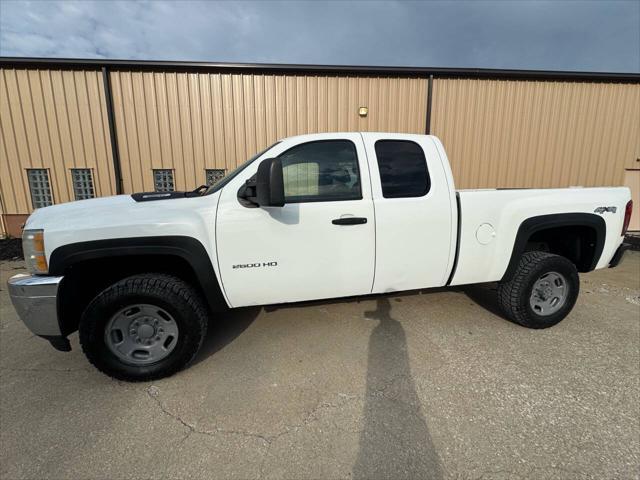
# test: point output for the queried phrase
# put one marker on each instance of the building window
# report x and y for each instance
(214, 175)
(403, 169)
(40, 187)
(82, 183)
(163, 180)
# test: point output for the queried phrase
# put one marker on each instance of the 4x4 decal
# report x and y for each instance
(602, 210)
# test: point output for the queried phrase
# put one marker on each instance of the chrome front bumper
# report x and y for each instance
(35, 299)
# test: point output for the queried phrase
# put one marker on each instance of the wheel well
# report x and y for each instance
(84, 280)
(575, 242)
(577, 236)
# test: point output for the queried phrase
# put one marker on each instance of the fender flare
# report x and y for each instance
(535, 224)
(187, 248)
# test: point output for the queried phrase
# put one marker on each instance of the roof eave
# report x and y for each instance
(358, 70)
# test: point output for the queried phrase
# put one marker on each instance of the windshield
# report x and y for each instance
(217, 186)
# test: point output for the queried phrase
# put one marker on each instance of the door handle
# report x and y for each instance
(349, 221)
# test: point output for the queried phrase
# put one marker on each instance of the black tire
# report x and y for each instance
(514, 295)
(169, 293)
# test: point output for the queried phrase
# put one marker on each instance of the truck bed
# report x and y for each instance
(489, 220)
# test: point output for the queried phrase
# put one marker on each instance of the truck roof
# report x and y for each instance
(333, 134)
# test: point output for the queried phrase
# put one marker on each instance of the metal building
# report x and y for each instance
(73, 129)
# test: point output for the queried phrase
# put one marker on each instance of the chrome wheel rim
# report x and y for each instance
(549, 293)
(141, 334)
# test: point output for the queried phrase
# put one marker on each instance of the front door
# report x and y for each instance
(319, 245)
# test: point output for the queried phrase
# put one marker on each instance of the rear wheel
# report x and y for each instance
(542, 291)
(143, 327)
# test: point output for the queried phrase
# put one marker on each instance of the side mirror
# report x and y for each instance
(266, 187)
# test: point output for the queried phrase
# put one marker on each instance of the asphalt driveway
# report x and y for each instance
(429, 384)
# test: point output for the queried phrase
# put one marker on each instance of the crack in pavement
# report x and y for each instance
(154, 393)
(267, 440)
(173, 450)
(310, 416)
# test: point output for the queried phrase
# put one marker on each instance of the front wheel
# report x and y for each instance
(143, 327)
(542, 291)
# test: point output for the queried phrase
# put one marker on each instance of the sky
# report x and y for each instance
(520, 34)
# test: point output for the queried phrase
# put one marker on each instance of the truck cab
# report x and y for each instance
(359, 212)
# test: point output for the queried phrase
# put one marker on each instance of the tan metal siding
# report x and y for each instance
(192, 121)
(500, 133)
(56, 120)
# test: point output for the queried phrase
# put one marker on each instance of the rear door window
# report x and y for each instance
(403, 169)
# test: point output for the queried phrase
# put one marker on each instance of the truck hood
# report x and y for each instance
(81, 211)
(123, 217)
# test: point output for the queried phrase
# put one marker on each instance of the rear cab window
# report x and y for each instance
(403, 169)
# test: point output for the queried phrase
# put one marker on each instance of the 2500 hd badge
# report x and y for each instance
(256, 265)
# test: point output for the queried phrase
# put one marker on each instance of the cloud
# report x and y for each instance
(555, 35)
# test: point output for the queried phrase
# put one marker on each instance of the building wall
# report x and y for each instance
(192, 121)
(55, 120)
(500, 133)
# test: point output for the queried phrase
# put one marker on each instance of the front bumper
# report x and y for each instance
(35, 298)
(618, 255)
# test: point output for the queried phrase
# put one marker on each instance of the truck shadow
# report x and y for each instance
(230, 325)
(224, 329)
(484, 295)
(395, 441)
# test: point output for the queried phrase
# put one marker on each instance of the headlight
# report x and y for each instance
(33, 249)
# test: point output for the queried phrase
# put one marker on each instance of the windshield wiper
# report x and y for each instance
(198, 191)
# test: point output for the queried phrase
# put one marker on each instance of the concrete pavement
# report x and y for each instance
(429, 384)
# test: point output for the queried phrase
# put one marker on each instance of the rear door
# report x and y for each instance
(319, 245)
(416, 217)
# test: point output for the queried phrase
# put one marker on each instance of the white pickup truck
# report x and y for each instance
(312, 217)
